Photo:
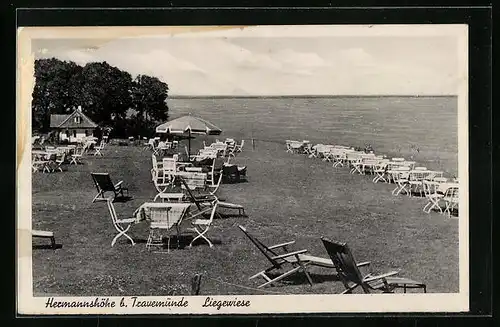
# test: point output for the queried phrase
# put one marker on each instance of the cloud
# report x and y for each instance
(219, 65)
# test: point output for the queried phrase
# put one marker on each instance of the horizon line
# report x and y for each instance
(180, 96)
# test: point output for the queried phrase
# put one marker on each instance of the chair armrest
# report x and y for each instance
(118, 184)
(372, 278)
(126, 220)
(281, 245)
(362, 264)
(289, 254)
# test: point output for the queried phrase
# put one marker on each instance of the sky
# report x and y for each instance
(275, 60)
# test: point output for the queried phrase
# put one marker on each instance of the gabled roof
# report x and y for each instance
(67, 121)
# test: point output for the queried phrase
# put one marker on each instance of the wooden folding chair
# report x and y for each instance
(351, 276)
(104, 184)
(295, 261)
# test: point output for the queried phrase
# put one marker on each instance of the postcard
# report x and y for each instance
(242, 169)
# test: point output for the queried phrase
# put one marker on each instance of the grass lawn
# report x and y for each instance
(287, 197)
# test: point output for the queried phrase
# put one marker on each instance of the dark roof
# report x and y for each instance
(67, 121)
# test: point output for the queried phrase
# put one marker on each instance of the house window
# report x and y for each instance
(67, 133)
(78, 119)
(74, 133)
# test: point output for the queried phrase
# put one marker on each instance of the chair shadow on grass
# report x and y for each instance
(46, 247)
(182, 242)
(122, 199)
(234, 181)
(227, 215)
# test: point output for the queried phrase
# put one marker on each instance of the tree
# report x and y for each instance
(104, 92)
(53, 90)
(149, 98)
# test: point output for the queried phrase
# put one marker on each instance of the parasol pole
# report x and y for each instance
(189, 145)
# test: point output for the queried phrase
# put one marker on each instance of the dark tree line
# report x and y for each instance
(107, 95)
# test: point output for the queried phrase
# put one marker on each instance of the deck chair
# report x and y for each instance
(202, 199)
(351, 276)
(104, 184)
(122, 225)
(45, 234)
(295, 261)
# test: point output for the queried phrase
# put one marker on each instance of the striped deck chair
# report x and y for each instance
(104, 184)
(351, 276)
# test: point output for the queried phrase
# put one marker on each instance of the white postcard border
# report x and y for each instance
(259, 304)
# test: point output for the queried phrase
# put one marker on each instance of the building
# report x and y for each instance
(72, 127)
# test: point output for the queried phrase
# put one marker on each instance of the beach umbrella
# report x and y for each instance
(190, 125)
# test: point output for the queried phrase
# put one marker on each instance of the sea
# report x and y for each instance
(424, 129)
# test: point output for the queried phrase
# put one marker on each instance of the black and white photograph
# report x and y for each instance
(242, 169)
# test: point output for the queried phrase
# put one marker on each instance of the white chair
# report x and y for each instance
(431, 188)
(122, 226)
(40, 162)
(450, 199)
(78, 153)
(211, 176)
(416, 179)
(201, 227)
(98, 149)
(163, 174)
(59, 161)
(400, 176)
(380, 171)
(239, 147)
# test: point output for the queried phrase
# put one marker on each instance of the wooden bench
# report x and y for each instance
(239, 207)
(45, 234)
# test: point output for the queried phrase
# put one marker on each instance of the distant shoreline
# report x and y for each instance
(302, 96)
